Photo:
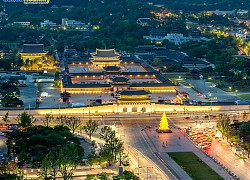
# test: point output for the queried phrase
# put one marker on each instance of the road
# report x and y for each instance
(145, 145)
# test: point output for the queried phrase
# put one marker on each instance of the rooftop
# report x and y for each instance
(134, 92)
(112, 68)
(105, 53)
(33, 48)
(120, 79)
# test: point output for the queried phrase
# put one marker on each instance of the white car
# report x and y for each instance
(44, 94)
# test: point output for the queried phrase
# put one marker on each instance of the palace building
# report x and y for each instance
(105, 57)
(33, 51)
(134, 97)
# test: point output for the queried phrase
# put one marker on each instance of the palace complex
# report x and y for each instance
(107, 72)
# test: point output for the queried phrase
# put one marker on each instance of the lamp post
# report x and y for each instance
(138, 166)
(236, 91)
(59, 112)
(147, 171)
(184, 107)
(83, 114)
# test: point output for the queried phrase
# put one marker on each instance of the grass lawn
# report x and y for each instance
(194, 167)
(244, 96)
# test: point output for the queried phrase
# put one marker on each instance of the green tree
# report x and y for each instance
(50, 168)
(157, 62)
(223, 124)
(73, 123)
(8, 176)
(5, 118)
(90, 128)
(112, 143)
(102, 176)
(90, 177)
(25, 120)
(245, 129)
(48, 119)
(69, 158)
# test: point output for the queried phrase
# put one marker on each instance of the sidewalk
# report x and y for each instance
(172, 164)
(174, 144)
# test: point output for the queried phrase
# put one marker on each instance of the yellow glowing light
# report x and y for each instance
(164, 122)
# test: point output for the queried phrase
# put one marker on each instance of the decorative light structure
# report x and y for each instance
(164, 126)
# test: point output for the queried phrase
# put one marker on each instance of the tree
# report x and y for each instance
(245, 129)
(10, 176)
(49, 168)
(25, 120)
(73, 123)
(5, 118)
(91, 127)
(10, 100)
(112, 143)
(121, 155)
(127, 175)
(48, 118)
(68, 160)
(223, 124)
(102, 176)
(157, 62)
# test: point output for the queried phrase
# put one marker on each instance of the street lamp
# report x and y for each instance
(236, 92)
(147, 171)
(138, 157)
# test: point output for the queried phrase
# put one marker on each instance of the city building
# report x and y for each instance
(176, 39)
(73, 24)
(242, 12)
(222, 13)
(3, 16)
(36, 1)
(157, 35)
(22, 23)
(47, 23)
(144, 21)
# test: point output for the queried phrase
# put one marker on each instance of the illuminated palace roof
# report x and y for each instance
(105, 53)
(33, 48)
(105, 57)
(133, 97)
(134, 92)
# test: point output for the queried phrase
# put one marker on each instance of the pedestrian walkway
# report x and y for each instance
(178, 142)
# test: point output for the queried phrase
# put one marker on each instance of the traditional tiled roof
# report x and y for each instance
(120, 79)
(105, 53)
(112, 68)
(151, 84)
(86, 85)
(66, 81)
(33, 48)
(134, 92)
